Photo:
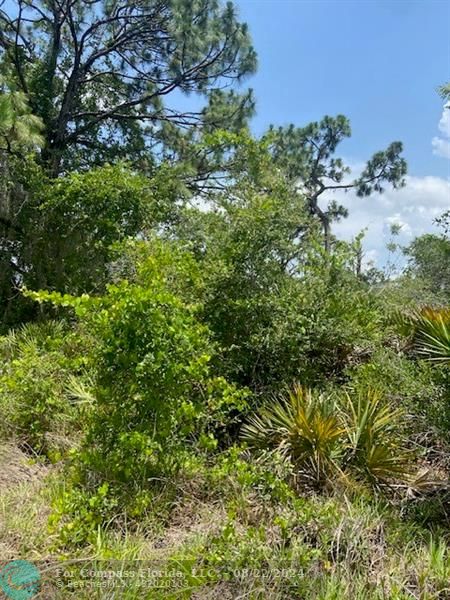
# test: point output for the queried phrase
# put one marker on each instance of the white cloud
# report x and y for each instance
(441, 145)
(444, 123)
(413, 207)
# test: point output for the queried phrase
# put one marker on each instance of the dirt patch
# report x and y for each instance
(190, 520)
(17, 468)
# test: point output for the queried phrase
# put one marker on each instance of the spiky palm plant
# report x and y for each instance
(303, 427)
(373, 433)
(432, 334)
(31, 336)
(429, 332)
(333, 438)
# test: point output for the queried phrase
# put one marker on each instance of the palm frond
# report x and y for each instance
(433, 335)
(301, 427)
(373, 427)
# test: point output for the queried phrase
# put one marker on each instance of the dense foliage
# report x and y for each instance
(180, 324)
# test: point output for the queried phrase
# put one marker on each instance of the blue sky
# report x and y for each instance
(377, 61)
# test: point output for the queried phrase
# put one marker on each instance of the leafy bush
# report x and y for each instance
(416, 385)
(280, 307)
(392, 372)
(156, 401)
(323, 318)
(276, 325)
(90, 211)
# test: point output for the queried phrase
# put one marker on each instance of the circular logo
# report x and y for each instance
(20, 580)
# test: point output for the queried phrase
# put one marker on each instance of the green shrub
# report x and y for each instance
(39, 363)
(156, 401)
(277, 329)
(406, 382)
(280, 307)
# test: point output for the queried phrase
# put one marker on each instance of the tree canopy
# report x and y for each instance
(307, 154)
(107, 77)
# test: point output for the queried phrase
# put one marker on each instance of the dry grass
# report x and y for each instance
(16, 468)
(343, 550)
(24, 508)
